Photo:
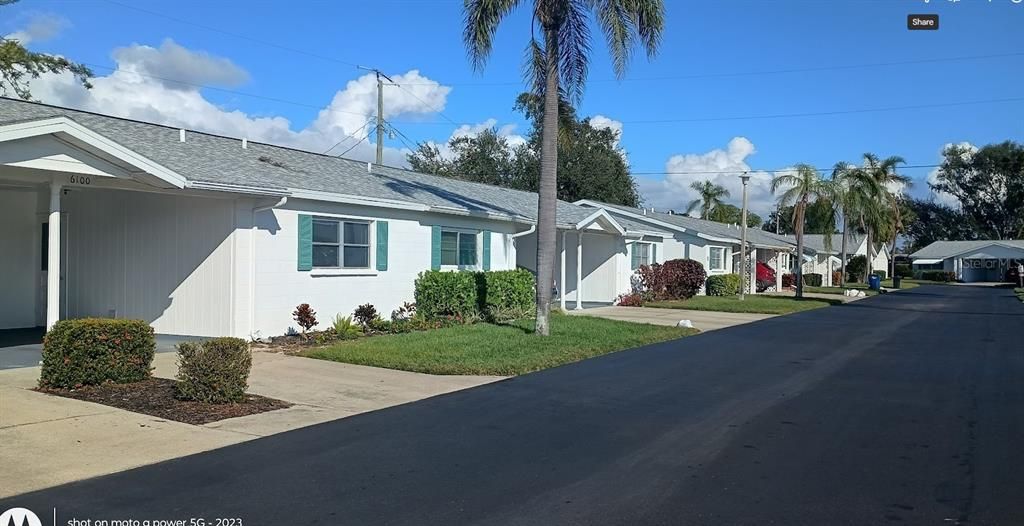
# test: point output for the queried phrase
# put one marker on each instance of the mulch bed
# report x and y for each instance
(156, 397)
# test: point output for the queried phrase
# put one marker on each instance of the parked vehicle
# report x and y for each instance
(765, 276)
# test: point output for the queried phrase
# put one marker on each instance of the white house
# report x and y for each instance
(716, 245)
(821, 260)
(206, 235)
(971, 261)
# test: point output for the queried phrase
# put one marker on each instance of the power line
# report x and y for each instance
(427, 104)
(347, 136)
(357, 143)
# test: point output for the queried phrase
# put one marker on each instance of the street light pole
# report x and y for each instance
(745, 273)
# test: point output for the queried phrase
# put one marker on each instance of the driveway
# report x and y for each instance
(903, 409)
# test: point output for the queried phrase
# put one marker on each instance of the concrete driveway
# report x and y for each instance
(48, 440)
(703, 320)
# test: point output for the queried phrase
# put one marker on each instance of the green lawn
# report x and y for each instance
(753, 304)
(505, 350)
(1020, 293)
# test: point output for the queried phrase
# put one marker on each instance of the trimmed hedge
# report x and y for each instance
(938, 275)
(505, 294)
(443, 294)
(723, 285)
(813, 279)
(214, 371)
(880, 273)
(855, 268)
(904, 271)
(90, 351)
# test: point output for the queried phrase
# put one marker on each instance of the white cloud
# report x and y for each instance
(720, 166)
(174, 62)
(131, 91)
(40, 27)
(600, 121)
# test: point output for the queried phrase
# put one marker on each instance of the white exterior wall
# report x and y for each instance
(167, 259)
(279, 286)
(20, 252)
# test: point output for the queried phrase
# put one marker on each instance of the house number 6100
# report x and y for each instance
(80, 179)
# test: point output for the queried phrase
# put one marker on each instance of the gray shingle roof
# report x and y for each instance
(816, 242)
(945, 249)
(216, 159)
(712, 228)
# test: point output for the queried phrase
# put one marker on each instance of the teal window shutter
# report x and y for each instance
(636, 256)
(305, 242)
(487, 250)
(382, 245)
(435, 248)
(654, 253)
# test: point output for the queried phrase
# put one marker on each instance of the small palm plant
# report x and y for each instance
(345, 328)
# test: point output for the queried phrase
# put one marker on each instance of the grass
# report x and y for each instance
(1019, 292)
(505, 350)
(752, 304)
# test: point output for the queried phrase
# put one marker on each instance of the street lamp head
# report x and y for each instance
(745, 178)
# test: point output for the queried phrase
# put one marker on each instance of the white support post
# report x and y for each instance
(53, 258)
(561, 282)
(779, 269)
(752, 271)
(579, 270)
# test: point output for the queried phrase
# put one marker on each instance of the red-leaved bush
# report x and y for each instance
(676, 279)
(837, 276)
(788, 280)
(305, 316)
(632, 299)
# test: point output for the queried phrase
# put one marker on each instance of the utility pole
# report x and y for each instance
(380, 110)
(778, 218)
(745, 272)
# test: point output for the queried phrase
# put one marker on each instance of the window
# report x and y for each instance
(716, 258)
(458, 248)
(341, 244)
(643, 254)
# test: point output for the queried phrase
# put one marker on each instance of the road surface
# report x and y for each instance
(907, 408)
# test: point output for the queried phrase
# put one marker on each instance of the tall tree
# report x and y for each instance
(935, 222)
(732, 214)
(818, 219)
(887, 217)
(800, 186)
(557, 66)
(711, 196)
(989, 183)
(18, 65)
(853, 194)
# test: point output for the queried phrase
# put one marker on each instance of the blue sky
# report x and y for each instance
(719, 64)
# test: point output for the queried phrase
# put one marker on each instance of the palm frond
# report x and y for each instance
(481, 23)
(574, 49)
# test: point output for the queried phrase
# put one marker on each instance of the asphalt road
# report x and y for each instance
(907, 408)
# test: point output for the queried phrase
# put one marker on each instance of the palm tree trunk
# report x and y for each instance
(546, 196)
(798, 228)
(842, 268)
(868, 250)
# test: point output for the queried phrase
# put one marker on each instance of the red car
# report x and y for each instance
(765, 276)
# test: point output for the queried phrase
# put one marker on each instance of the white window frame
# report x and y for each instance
(722, 267)
(478, 241)
(370, 238)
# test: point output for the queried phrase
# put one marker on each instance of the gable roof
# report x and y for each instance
(816, 242)
(711, 230)
(946, 249)
(215, 162)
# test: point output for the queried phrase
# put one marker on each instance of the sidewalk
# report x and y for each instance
(49, 440)
(703, 320)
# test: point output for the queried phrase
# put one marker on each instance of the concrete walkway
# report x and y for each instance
(703, 320)
(48, 440)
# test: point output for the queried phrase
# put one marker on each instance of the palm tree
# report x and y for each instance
(557, 68)
(802, 185)
(853, 192)
(711, 197)
(886, 215)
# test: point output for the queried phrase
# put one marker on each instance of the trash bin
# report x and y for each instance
(874, 282)
(896, 281)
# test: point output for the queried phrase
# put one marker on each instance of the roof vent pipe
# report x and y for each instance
(181, 135)
(245, 144)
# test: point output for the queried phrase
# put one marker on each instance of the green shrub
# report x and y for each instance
(441, 294)
(880, 273)
(904, 271)
(215, 371)
(938, 275)
(91, 351)
(506, 294)
(855, 268)
(813, 279)
(723, 285)
(344, 328)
